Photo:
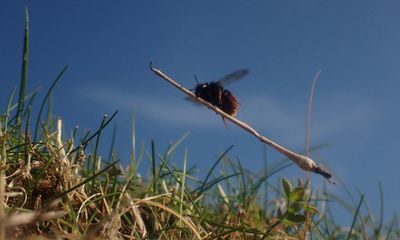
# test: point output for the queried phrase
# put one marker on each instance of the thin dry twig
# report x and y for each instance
(308, 118)
(29, 218)
(303, 162)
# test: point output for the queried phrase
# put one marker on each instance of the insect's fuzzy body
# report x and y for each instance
(210, 92)
(229, 104)
(215, 94)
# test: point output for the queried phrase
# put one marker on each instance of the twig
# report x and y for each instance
(303, 162)
(308, 118)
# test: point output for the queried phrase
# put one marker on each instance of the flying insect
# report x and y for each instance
(217, 95)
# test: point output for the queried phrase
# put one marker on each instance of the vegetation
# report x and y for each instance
(53, 186)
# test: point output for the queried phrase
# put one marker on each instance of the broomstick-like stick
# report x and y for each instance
(303, 162)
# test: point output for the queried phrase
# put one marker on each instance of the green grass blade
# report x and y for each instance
(24, 78)
(380, 225)
(4, 147)
(111, 153)
(34, 93)
(95, 161)
(176, 144)
(355, 216)
(183, 185)
(215, 165)
(45, 100)
(153, 167)
(265, 177)
(30, 97)
(27, 141)
(265, 171)
(211, 183)
(242, 184)
(170, 150)
(49, 117)
(133, 164)
(87, 139)
(24, 73)
(27, 97)
(163, 161)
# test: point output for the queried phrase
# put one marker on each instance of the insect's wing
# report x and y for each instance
(237, 75)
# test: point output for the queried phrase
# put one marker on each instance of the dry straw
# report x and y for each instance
(303, 162)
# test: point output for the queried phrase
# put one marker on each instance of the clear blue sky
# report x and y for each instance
(108, 46)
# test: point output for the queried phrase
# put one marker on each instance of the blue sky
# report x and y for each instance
(108, 46)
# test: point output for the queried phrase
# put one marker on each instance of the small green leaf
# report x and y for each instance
(297, 206)
(296, 218)
(297, 194)
(287, 187)
(300, 182)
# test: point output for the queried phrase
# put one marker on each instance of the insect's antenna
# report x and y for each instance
(197, 82)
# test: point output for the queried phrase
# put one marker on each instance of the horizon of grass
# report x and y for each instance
(53, 186)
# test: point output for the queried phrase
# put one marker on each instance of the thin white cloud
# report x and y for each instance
(288, 123)
(164, 110)
(268, 115)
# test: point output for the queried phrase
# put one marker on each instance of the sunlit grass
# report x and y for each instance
(53, 185)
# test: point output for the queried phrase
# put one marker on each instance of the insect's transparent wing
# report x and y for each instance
(237, 75)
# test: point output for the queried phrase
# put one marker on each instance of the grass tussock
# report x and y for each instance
(59, 186)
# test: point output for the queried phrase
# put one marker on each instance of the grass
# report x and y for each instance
(53, 186)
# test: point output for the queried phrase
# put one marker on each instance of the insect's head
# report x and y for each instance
(201, 88)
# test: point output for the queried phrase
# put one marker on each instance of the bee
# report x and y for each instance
(217, 95)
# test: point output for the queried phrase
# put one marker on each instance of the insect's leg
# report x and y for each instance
(223, 119)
